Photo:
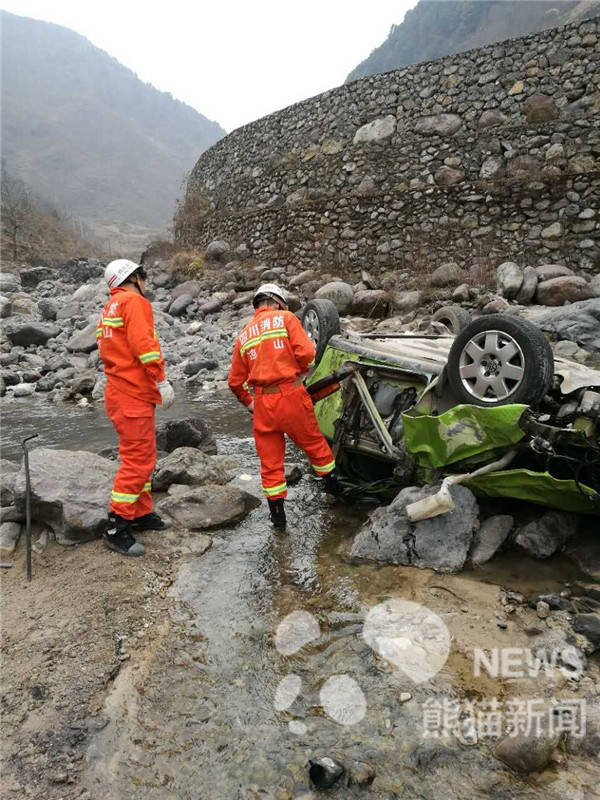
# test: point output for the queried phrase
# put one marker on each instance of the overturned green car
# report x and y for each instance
(487, 404)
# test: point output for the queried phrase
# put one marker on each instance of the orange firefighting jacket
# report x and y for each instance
(129, 347)
(272, 348)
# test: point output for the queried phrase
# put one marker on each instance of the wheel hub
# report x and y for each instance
(492, 366)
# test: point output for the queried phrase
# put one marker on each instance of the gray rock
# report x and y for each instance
(207, 507)
(192, 432)
(179, 305)
(407, 301)
(48, 309)
(589, 626)
(441, 543)
(447, 274)
(82, 384)
(30, 332)
(526, 752)
(304, 277)
(341, 295)
(447, 176)
(11, 514)
(491, 118)
(509, 279)
(578, 322)
(555, 291)
(193, 367)
(540, 108)
(192, 288)
(218, 250)
(9, 537)
(548, 534)
(371, 303)
(8, 472)
(70, 491)
(31, 277)
(584, 549)
(23, 389)
(528, 288)
(492, 168)
(490, 537)
(376, 131)
(440, 124)
(84, 341)
(9, 283)
(191, 467)
(4, 307)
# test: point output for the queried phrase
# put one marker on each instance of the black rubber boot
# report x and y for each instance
(331, 485)
(150, 522)
(119, 537)
(277, 513)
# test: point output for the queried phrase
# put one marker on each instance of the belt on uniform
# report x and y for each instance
(276, 387)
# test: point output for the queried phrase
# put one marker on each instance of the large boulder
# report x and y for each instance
(192, 288)
(70, 491)
(441, 543)
(440, 124)
(376, 131)
(192, 432)
(528, 288)
(9, 538)
(371, 303)
(31, 277)
(219, 251)
(340, 293)
(509, 279)
(529, 750)
(547, 271)
(84, 341)
(447, 274)
(556, 291)
(179, 304)
(190, 467)
(27, 333)
(207, 507)
(408, 300)
(22, 304)
(540, 108)
(577, 322)
(9, 283)
(80, 270)
(545, 536)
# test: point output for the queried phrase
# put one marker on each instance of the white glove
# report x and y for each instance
(167, 394)
(250, 406)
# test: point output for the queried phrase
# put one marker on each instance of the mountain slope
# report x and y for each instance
(436, 28)
(85, 133)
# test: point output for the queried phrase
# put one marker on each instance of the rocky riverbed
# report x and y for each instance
(225, 660)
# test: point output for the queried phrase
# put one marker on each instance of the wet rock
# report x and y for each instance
(69, 492)
(84, 341)
(82, 384)
(526, 752)
(371, 303)
(528, 288)
(440, 543)
(555, 291)
(207, 507)
(28, 333)
(191, 432)
(509, 278)
(341, 295)
(548, 534)
(589, 626)
(190, 467)
(490, 537)
(9, 538)
(447, 274)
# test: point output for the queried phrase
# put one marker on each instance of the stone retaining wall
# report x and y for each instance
(490, 154)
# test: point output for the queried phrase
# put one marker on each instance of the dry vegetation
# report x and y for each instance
(188, 262)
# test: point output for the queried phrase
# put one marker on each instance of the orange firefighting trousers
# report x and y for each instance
(290, 412)
(133, 420)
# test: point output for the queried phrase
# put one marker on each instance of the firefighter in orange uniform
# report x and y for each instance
(135, 383)
(271, 355)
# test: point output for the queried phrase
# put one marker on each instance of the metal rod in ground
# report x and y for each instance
(27, 503)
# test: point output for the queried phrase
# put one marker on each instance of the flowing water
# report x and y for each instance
(222, 707)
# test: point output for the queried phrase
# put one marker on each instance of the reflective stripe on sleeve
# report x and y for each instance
(324, 468)
(98, 333)
(113, 322)
(147, 487)
(278, 333)
(152, 355)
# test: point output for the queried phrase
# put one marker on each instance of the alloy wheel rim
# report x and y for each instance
(491, 366)
(311, 325)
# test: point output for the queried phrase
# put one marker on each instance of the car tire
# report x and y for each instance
(500, 359)
(454, 318)
(321, 321)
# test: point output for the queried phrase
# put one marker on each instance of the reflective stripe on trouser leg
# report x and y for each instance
(270, 446)
(324, 469)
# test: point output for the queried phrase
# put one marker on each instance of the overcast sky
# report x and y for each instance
(232, 60)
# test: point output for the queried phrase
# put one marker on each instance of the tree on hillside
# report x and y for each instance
(16, 206)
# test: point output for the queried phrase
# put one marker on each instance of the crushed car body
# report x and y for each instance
(489, 406)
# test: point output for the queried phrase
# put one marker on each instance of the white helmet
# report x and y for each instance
(270, 290)
(117, 271)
